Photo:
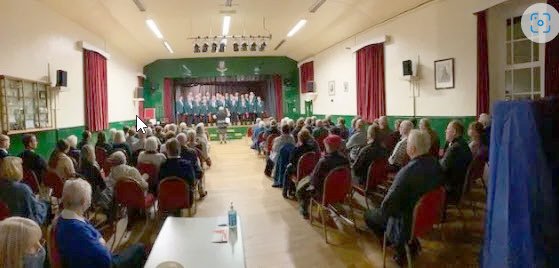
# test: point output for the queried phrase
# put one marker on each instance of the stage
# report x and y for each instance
(233, 132)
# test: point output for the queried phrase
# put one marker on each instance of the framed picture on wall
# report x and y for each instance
(332, 88)
(444, 74)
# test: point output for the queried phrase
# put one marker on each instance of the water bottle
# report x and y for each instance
(232, 217)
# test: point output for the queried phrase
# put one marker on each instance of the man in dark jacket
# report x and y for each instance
(455, 162)
(176, 166)
(31, 160)
(368, 154)
(313, 185)
(420, 176)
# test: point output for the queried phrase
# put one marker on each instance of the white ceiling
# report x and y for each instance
(120, 23)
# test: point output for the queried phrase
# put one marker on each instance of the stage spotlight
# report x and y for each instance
(236, 47)
(196, 48)
(262, 46)
(253, 46)
(244, 46)
(205, 47)
(214, 47)
(222, 47)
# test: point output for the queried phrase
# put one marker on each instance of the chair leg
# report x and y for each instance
(384, 251)
(321, 211)
(353, 215)
(310, 211)
(408, 255)
(367, 201)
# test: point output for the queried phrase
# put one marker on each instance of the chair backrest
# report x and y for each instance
(54, 182)
(52, 248)
(475, 171)
(4, 211)
(337, 186)
(249, 132)
(174, 193)
(100, 155)
(261, 136)
(320, 140)
(377, 173)
(30, 178)
(306, 164)
(428, 211)
(270, 141)
(150, 169)
(129, 193)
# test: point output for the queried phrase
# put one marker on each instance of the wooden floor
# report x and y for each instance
(275, 235)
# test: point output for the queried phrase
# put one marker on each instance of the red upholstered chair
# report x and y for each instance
(30, 178)
(377, 173)
(434, 150)
(306, 165)
(270, 143)
(427, 213)
(320, 141)
(55, 183)
(4, 211)
(151, 170)
(101, 157)
(259, 140)
(174, 194)
(336, 190)
(54, 256)
(249, 132)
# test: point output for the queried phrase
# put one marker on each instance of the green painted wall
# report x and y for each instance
(47, 139)
(206, 67)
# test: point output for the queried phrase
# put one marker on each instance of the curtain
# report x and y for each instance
(95, 80)
(552, 61)
(371, 102)
(168, 103)
(307, 74)
(141, 110)
(278, 88)
(482, 64)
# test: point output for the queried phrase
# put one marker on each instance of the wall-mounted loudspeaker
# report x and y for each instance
(61, 78)
(407, 67)
(310, 86)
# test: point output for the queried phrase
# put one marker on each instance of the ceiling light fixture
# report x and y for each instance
(262, 46)
(153, 27)
(244, 46)
(222, 47)
(296, 28)
(236, 46)
(196, 48)
(214, 46)
(168, 47)
(226, 25)
(205, 47)
(316, 6)
(253, 46)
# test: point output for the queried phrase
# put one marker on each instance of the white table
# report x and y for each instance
(188, 241)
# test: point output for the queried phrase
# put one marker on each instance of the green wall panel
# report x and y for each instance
(158, 70)
(47, 139)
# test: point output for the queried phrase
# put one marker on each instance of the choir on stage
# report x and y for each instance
(243, 109)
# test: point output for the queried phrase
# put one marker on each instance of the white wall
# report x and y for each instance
(439, 30)
(33, 36)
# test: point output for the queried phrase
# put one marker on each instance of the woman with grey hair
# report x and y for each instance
(150, 155)
(222, 117)
(89, 169)
(112, 134)
(79, 243)
(20, 243)
(119, 144)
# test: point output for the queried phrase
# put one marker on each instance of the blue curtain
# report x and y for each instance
(521, 223)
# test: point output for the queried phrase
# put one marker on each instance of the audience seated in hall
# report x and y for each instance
(89, 169)
(399, 158)
(311, 186)
(102, 143)
(120, 170)
(86, 138)
(368, 154)
(60, 163)
(425, 125)
(421, 175)
(305, 144)
(477, 147)
(189, 153)
(131, 139)
(112, 134)
(259, 129)
(202, 141)
(299, 124)
(31, 160)
(455, 162)
(353, 122)
(159, 134)
(278, 143)
(150, 154)
(383, 130)
(340, 129)
(328, 122)
(175, 166)
(119, 143)
(140, 142)
(19, 198)
(485, 120)
(20, 243)
(320, 131)
(79, 244)
(4, 146)
(309, 124)
(394, 137)
(73, 151)
(357, 140)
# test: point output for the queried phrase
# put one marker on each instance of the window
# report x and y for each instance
(523, 69)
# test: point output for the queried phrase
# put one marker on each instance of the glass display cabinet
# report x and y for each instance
(25, 105)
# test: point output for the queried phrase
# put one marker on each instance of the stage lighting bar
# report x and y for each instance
(215, 44)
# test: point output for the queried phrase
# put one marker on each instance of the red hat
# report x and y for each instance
(333, 141)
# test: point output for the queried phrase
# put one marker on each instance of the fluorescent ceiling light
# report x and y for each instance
(296, 28)
(153, 27)
(168, 47)
(226, 24)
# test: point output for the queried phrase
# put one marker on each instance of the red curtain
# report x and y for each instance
(141, 110)
(371, 101)
(482, 64)
(95, 80)
(552, 61)
(278, 87)
(168, 103)
(307, 74)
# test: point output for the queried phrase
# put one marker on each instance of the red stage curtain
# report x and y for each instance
(482, 64)
(552, 61)
(307, 74)
(168, 104)
(278, 87)
(95, 80)
(141, 109)
(371, 101)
